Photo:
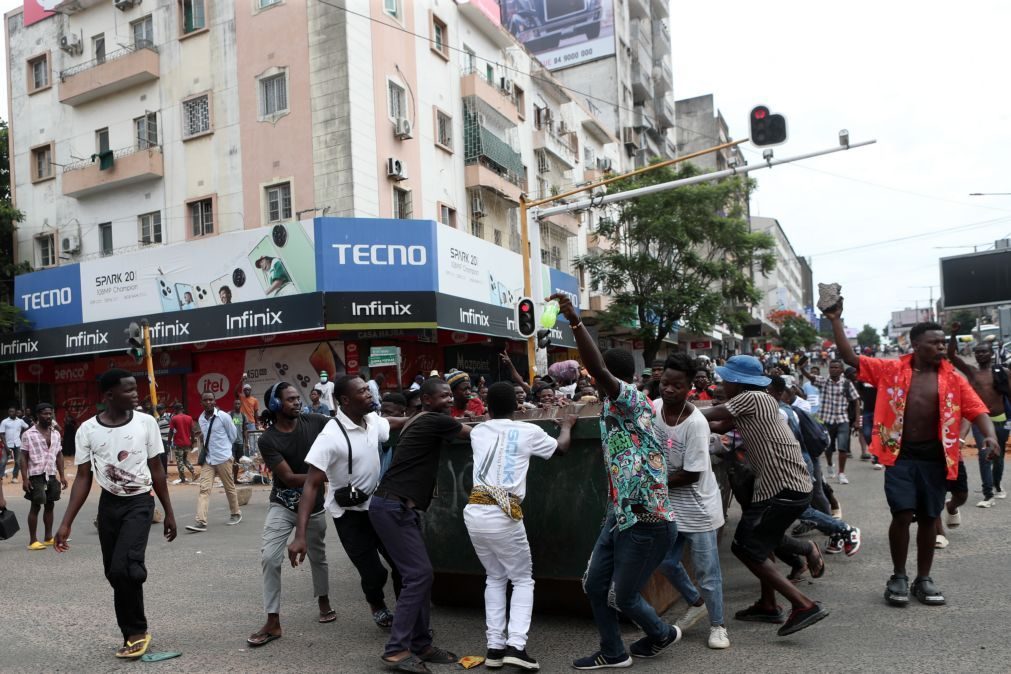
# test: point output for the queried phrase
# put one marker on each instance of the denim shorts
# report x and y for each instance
(763, 523)
(916, 485)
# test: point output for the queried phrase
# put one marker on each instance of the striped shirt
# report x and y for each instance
(771, 448)
(835, 398)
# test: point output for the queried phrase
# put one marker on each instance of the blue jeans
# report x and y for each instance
(991, 472)
(706, 560)
(824, 523)
(627, 559)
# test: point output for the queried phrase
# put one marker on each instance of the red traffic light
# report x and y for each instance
(526, 306)
(759, 113)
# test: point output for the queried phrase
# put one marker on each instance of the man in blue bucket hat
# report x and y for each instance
(782, 492)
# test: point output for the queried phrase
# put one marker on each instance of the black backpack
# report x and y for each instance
(813, 433)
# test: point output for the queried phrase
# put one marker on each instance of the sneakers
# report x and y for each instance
(196, 527)
(234, 519)
(831, 471)
(865, 457)
(177, 481)
(878, 466)
(383, 618)
(802, 618)
(836, 544)
(648, 647)
(837, 513)
(691, 616)
(999, 493)
(519, 658)
(985, 503)
(953, 519)
(926, 592)
(600, 661)
(897, 590)
(802, 529)
(493, 658)
(718, 637)
(941, 542)
(843, 479)
(851, 542)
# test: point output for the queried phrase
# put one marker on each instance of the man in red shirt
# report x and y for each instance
(921, 401)
(181, 439)
(464, 404)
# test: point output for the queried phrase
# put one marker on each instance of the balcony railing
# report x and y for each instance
(121, 167)
(558, 144)
(108, 58)
(116, 71)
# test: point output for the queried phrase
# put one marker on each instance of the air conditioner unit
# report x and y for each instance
(403, 128)
(125, 4)
(70, 244)
(505, 85)
(395, 169)
(630, 136)
(71, 43)
(477, 205)
(603, 164)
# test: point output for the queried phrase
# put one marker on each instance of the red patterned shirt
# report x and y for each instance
(42, 456)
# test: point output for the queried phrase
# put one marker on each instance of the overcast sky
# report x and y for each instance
(927, 79)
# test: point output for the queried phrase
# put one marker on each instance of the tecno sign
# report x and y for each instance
(47, 299)
(214, 383)
(382, 254)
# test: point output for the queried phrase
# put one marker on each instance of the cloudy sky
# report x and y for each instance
(926, 79)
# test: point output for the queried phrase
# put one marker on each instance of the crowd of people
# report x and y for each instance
(330, 458)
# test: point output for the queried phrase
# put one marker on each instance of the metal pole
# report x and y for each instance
(150, 368)
(525, 245)
(663, 187)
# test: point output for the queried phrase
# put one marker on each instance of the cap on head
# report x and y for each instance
(455, 378)
(43, 406)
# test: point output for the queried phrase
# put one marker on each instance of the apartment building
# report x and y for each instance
(700, 125)
(146, 123)
(784, 287)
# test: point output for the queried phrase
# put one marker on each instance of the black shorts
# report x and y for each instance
(238, 452)
(763, 523)
(919, 486)
(960, 485)
(42, 490)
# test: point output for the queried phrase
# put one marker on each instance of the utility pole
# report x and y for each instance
(931, 288)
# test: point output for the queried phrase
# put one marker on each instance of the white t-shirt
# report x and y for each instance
(329, 453)
(12, 431)
(325, 393)
(802, 404)
(119, 454)
(698, 506)
(502, 451)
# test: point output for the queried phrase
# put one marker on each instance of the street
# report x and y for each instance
(203, 598)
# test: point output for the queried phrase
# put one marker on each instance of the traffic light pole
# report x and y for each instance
(150, 369)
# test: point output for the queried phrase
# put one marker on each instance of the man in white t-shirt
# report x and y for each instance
(694, 497)
(355, 428)
(325, 388)
(12, 427)
(121, 449)
(502, 451)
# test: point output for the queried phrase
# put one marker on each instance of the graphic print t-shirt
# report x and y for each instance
(119, 454)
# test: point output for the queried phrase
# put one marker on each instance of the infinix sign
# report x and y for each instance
(382, 255)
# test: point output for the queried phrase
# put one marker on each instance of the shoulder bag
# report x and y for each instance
(349, 496)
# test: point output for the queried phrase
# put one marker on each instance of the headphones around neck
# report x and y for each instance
(273, 402)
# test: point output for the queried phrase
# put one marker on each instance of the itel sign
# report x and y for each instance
(214, 383)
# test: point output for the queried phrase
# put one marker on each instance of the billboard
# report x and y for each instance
(36, 10)
(976, 279)
(910, 317)
(562, 33)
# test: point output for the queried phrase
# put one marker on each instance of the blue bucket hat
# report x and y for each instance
(743, 370)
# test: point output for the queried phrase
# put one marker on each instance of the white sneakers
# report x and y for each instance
(985, 503)
(831, 471)
(718, 637)
(999, 493)
(837, 513)
(954, 519)
(691, 616)
(879, 466)
(843, 479)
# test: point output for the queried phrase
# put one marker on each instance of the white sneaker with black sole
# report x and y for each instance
(999, 493)
(196, 527)
(985, 503)
(519, 658)
(718, 638)
(691, 616)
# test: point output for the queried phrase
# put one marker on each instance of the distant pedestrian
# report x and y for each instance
(42, 473)
(325, 388)
(219, 435)
(249, 405)
(12, 427)
(239, 446)
(181, 437)
(316, 405)
(376, 388)
(119, 448)
(838, 396)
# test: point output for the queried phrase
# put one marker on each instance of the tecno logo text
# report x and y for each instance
(46, 299)
(382, 254)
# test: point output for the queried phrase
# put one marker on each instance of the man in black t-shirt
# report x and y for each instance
(284, 446)
(404, 492)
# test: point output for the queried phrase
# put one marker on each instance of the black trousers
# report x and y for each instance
(363, 547)
(124, 523)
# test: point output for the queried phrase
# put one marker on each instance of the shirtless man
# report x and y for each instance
(990, 381)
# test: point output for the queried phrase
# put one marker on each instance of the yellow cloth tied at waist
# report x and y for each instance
(999, 418)
(496, 496)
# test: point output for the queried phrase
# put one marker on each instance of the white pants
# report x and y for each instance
(505, 555)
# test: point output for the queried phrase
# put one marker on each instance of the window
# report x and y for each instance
(194, 17)
(264, 4)
(143, 32)
(447, 215)
(105, 238)
(273, 95)
(45, 247)
(392, 7)
(398, 106)
(469, 60)
(145, 131)
(543, 165)
(401, 203)
(38, 73)
(489, 73)
(521, 101)
(196, 116)
(98, 47)
(477, 228)
(279, 202)
(202, 217)
(149, 227)
(443, 130)
(498, 237)
(42, 162)
(102, 140)
(440, 37)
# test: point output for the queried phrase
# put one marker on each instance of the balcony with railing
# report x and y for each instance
(562, 146)
(663, 77)
(665, 110)
(565, 222)
(490, 161)
(642, 80)
(476, 83)
(116, 71)
(661, 40)
(644, 118)
(110, 170)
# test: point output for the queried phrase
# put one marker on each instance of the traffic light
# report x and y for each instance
(543, 339)
(526, 324)
(767, 128)
(135, 342)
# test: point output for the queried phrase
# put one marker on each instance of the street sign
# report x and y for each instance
(701, 345)
(384, 356)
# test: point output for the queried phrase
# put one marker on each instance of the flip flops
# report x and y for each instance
(134, 649)
(262, 639)
(328, 617)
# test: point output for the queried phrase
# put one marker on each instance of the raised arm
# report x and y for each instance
(513, 372)
(565, 436)
(960, 364)
(592, 359)
(846, 352)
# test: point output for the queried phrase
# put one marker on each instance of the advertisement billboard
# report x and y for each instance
(976, 279)
(478, 270)
(562, 33)
(355, 254)
(36, 10)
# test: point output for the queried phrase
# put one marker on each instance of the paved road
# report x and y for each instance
(203, 599)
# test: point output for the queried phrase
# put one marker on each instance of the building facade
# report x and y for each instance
(783, 288)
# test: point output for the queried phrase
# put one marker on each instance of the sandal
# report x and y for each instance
(412, 664)
(328, 617)
(261, 638)
(817, 566)
(797, 575)
(132, 650)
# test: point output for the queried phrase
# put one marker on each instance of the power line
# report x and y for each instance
(946, 230)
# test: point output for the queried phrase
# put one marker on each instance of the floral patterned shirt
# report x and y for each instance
(891, 378)
(635, 458)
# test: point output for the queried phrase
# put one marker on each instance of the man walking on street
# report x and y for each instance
(639, 529)
(119, 448)
(921, 403)
(12, 427)
(990, 381)
(284, 446)
(346, 455)
(837, 394)
(249, 405)
(42, 473)
(218, 433)
(239, 446)
(181, 437)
